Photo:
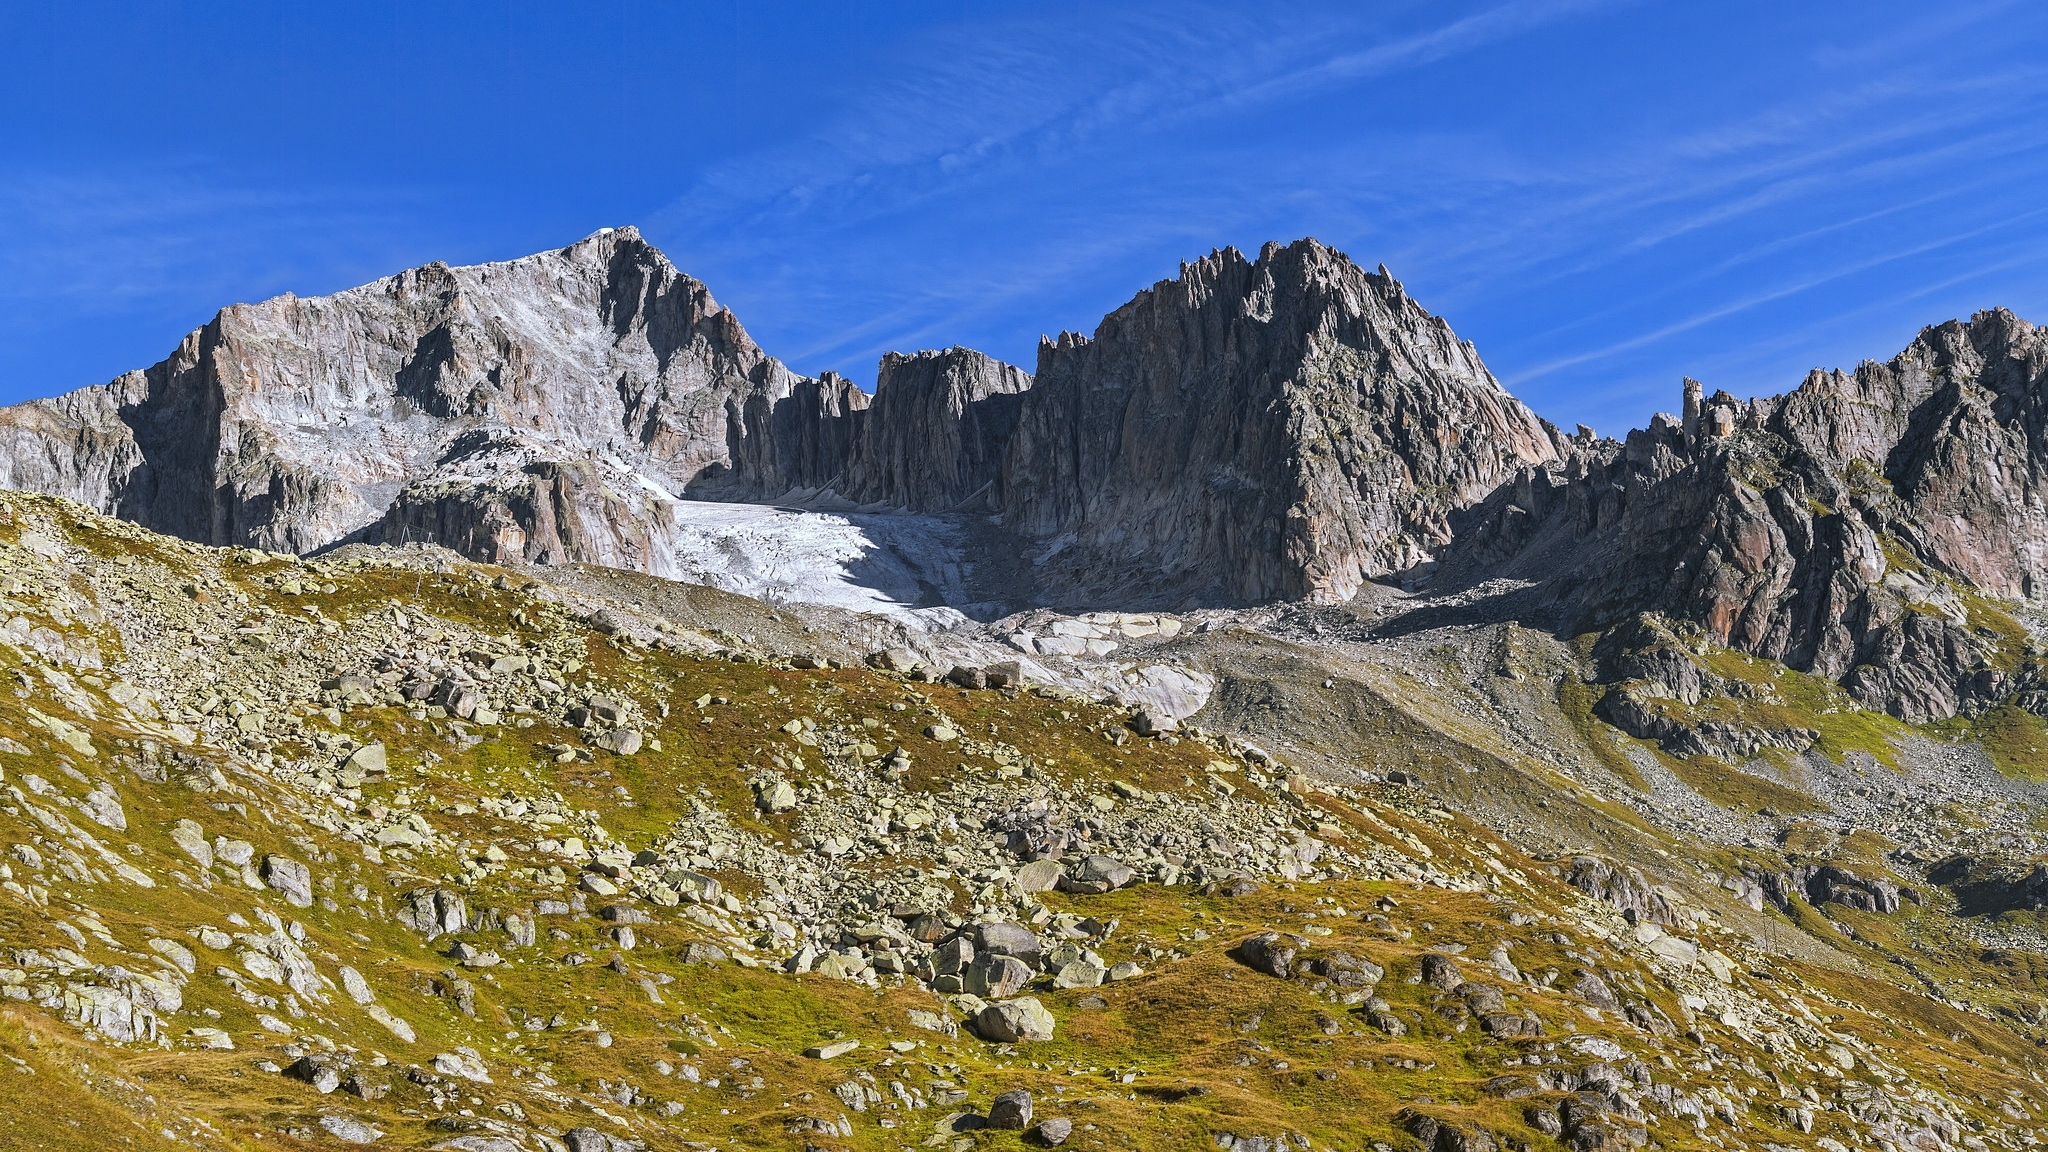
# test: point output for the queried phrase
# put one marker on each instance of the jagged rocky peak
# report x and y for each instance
(1850, 528)
(296, 422)
(937, 430)
(1288, 427)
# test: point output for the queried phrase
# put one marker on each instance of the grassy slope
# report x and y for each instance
(1208, 1044)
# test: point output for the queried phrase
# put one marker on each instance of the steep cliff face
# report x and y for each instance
(293, 423)
(1850, 528)
(1285, 428)
(1254, 430)
(1958, 424)
(938, 430)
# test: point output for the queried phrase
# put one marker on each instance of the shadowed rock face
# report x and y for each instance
(1285, 428)
(1764, 522)
(936, 435)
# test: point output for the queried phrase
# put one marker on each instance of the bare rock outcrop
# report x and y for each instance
(1284, 428)
(294, 423)
(1850, 528)
(935, 437)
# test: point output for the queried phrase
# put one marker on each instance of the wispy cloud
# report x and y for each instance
(1737, 306)
(1011, 114)
(125, 264)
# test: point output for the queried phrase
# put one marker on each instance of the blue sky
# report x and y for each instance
(1602, 196)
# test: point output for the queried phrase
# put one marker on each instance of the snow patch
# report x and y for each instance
(896, 565)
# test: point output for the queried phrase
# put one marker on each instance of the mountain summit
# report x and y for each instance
(1253, 727)
(1281, 428)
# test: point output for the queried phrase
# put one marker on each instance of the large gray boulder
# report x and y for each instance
(1006, 939)
(1011, 1021)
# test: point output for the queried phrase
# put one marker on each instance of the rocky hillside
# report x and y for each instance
(396, 850)
(1872, 527)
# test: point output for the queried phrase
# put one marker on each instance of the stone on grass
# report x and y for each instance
(191, 838)
(1039, 876)
(776, 797)
(591, 1140)
(1011, 1110)
(291, 879)
(320, 1069)
(479, 1144)
(1013, 1020)
(622, 741)
(370, 760)
(462, 1062)
(1440, 971)
(350, 1130)
(1094, 875)
(358, 989)
(1079, 974)
(1270, 952)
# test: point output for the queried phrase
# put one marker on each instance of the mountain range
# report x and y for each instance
(1285, 428)
(503, 709)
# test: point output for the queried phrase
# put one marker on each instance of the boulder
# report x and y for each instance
(996, 977)
(1441, 972)
(1094, 874)
(1011, 1021)
(1147, 722)
(1271, 953)
(894, 660)
(953, 957)
(1007, 939)
(1011, 1110)
(775, 796)
(621, 741)
(1623, 886)
(370, 760)
(191, 839)
(1040, 876)
(350, 1130)
(433, 911)
(322, 1070)
(290, 879)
